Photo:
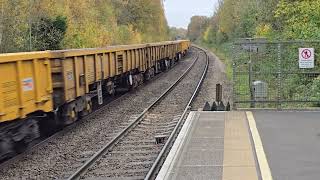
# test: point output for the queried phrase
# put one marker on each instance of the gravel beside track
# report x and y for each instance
(134, 155)
(60, 156)
(216, 75)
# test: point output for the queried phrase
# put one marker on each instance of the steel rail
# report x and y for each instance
(161, 157)
(83, 169)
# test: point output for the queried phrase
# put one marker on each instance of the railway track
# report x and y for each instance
(70, 148)
(138, 151)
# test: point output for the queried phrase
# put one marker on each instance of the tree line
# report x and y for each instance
(272, 19)
(31, 25)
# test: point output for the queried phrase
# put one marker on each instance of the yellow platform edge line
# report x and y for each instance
(261, 156)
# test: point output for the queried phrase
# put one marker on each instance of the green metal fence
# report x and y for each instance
(274, 74)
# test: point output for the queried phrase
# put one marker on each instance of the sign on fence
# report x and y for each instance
(272, 78)
(306, 58)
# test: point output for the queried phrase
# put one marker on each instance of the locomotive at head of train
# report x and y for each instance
(40, 88)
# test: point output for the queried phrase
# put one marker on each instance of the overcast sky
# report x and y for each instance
(179, 12)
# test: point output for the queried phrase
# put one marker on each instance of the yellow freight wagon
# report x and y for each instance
(32, 77)
(184, 45)
(25, 84)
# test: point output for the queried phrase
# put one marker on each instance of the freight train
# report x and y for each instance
(37, 88)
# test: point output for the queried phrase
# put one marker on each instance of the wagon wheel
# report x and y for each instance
(6, 149)
(71, 117)
(87, 110)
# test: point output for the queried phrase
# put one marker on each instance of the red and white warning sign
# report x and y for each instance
(306, 58)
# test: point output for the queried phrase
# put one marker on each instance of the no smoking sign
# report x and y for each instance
(306, 58)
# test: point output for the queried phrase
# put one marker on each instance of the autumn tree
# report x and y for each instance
(48, 33)
(28, 25)
(178, 33)
(197, 26)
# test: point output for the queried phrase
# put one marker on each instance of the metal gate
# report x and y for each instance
(275, 75)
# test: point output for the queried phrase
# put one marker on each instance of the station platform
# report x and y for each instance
(212, 145)
(252, 145)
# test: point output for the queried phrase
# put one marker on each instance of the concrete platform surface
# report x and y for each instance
(212, 145)
(291, 142)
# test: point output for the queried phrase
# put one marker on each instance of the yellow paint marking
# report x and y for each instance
(262, 159)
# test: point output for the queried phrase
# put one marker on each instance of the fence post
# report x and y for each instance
(279, 77)
(234, 99)
(252, 104)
